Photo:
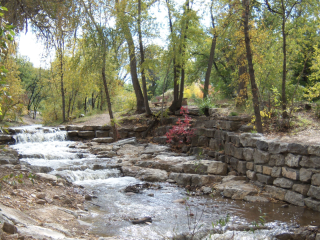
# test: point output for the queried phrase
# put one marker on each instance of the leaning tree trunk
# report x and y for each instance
(62, 87)
(254, 88)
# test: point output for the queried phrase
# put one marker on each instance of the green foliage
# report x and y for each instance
(205, 104)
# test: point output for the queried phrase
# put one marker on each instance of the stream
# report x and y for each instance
(111, 209)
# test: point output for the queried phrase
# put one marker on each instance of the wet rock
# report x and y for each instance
(9, 228)
(146, 174)
(130, 193)
(101, 148)
(255, 199)
(294, 198)
(151, 194)
(312, 203)
(88, 197)
(182, 200)
(276, 192)
(238, 188)
(126, 141)
(142, 220)
(314, 192)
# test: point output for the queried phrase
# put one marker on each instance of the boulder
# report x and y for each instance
(236, 189)
(9, 228)
(256, 199)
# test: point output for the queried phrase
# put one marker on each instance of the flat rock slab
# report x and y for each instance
(16, 216)
(236, 189)
(40, 232)
(153, 148)
(100, 148)
(130, 150)
(45, 176)
(146, 174)
(103, 140)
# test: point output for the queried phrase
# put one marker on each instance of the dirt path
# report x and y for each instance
(96, 120)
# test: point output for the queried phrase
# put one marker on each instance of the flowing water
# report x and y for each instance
(112, 209)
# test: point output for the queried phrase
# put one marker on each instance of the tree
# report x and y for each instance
(254, 88)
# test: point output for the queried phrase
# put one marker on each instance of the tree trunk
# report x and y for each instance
(143, 76)
(284, 68)
(254, 88)
(211, 59)
(62, 87)
(242, 87)
(104, 80)
(85, 105)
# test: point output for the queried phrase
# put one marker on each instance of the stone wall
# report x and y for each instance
(287, 171)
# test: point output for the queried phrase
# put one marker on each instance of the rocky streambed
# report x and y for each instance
(132, 190)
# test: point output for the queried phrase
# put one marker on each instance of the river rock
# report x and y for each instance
(47, 177)
(41, 201)
(41, 195)
(313, 204)
(9, 228)
(146, 174)
(237, 189)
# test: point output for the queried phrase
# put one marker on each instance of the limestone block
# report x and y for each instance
(276, 172)
(262, 145)
(283, 183)
(248, 154)
(86, 134)
(260, 157)
(249, 139)
(305, 175)
(213, 144)
(251, 175)
(266, 170)
(314, 205)
(277, 160)
(234, 163)
(276, 192)
(265, 179)
(290, 173)
(294, 198)
(229, 149)
(241, 167)
(88, 128)
(100, 133)
(314, 192)
(209, 124)
(250, 165)
(314, 150)
(277, 147)
(238, 152)
(74, 128)
(297, 148)
(203, 141)
(258, 168)
(210, 133)
(310, 162)
(218, 168)
(103, 140)
(232, 125)
(301, 188)
(140, 128)
(72, 134)
(292, 160)
(316, 179)
(235, 139)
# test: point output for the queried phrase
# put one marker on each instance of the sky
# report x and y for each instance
(32, 48)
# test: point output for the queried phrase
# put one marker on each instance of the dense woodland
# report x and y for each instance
(263, 56)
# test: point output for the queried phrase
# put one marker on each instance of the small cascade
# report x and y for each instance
(88, 174)
(40, 135)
